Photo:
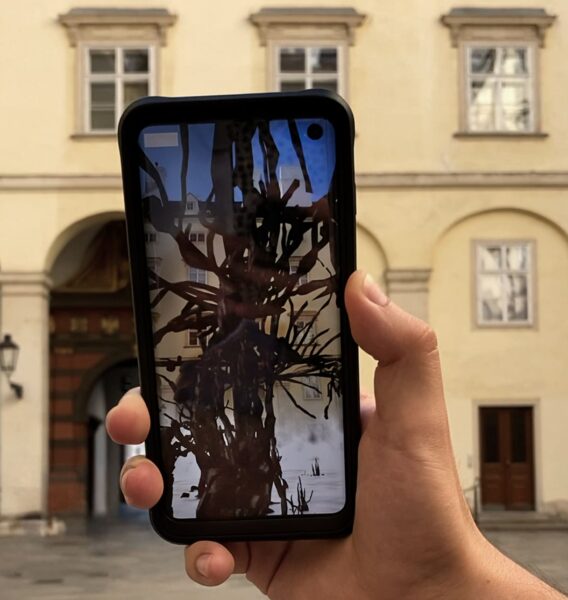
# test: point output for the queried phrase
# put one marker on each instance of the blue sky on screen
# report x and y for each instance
(162, 146)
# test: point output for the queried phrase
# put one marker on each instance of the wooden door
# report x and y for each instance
(507, 465)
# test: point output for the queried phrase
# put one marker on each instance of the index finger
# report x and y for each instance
(129, 421)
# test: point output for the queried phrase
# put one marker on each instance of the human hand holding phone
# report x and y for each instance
(413, 535)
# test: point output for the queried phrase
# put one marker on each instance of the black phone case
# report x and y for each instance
(311, 104)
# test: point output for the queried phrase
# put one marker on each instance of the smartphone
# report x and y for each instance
(240, 215)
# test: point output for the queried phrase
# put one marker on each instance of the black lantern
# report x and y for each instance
(8, 360)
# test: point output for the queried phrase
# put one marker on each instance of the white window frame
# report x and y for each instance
(530, 78)
(503, 272)
(118, 78)
(309, 78)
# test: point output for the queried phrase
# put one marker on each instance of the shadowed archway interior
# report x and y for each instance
(92, 362)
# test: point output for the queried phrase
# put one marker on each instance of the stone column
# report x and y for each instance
(409, 289)
(24, 423)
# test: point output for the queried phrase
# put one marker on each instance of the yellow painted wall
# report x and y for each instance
(505, 365)
(403, 87)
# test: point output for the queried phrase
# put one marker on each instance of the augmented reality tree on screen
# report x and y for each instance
(251, 343)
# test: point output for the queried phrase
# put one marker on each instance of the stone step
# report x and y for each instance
(521, 521)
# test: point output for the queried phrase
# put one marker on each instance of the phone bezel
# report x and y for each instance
(307, 104)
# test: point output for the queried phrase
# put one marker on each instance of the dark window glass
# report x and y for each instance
(136, 61)
(323, 60)
(292, 60)
(292, 86)
(102, 61)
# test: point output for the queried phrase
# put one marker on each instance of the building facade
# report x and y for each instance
(462, 173)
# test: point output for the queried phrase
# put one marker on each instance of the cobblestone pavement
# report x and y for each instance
(127, 561)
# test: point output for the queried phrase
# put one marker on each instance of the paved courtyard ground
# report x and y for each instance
(127, 561)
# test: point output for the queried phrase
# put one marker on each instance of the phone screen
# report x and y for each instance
(241, 251)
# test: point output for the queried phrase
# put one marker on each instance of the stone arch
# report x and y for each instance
(91, 376)
(92, 332)
(68, 233)
(498, 209)
(500, 364)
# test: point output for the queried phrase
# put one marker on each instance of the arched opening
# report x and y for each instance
(105, 459)
(92, 362)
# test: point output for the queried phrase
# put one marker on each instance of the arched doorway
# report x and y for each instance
(105, 459)
(92, 362)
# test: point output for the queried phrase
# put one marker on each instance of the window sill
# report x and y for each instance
(103, 135)
(504, 326)
(499, 135)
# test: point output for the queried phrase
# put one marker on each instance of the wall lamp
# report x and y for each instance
(8, 360)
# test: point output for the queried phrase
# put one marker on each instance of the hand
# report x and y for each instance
(413, 535)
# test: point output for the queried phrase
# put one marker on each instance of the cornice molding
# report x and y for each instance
(558, 179)
(25, 283)
(110, 182)
(87, 23)
(275, 21)
(460, 20)
(60, 182)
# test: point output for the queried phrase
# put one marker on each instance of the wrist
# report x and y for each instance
(490, 574)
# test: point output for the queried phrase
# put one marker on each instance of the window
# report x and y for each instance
(498, 59)
(303, 67)
(504, 283)
(197, 275)
(312, 390)
(500, 86)
(197, 237)
(117, 54)
(114, 78)
(193, 339)
(307, 47)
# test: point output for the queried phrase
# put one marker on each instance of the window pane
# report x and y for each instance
(482, 105)
(489, 258)
(490, 294)
(102, 61)
(197, 275)
(323, 60)
(490, 420)
(133, 91)
(515, 106)
(102, 119)
(514, 61)
(292, 60)
(135, 61)
(102, 95)
(483, 60)
(518, 436)
(102, 106)
(292, 86)
(328, 84)
(517, 258)
(516, 289)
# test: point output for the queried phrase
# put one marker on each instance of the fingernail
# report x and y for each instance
(202, 564)
(374, 292)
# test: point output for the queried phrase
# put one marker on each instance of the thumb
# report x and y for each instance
(408, 381)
